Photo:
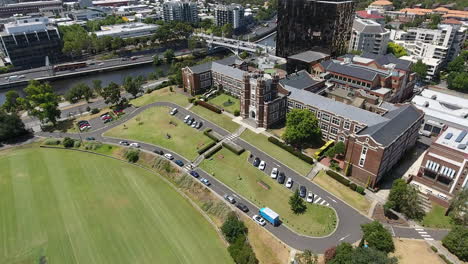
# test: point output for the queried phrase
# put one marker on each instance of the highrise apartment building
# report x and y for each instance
(28, 41)
(369, 36)
(229, 14)
(180, 11)
(308, 24)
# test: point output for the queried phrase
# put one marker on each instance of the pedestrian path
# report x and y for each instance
(424, 234)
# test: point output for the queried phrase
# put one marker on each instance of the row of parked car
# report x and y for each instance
(192, 122)
(83, 125)
(106, 117)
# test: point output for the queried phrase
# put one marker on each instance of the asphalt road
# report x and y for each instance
(349, 220)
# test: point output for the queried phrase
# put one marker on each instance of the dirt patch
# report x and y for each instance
(409, 251)
(392, 219)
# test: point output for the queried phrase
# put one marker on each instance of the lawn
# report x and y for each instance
(161, 95)
(226, 102)
(219, 119)
(436, 218)
(261, 142)
(242, 177)
(74, 207)
(153, 125)
(351, 197)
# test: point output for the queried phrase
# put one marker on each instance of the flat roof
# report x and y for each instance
(453, 138)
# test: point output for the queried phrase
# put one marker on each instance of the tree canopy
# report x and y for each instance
(11, 126)
(111, 94)
(458, 73)
(457, 242)
(133, 86)
(458, 209)
(420, 69)
(296, 203)
(378, 237)
(41, 101)
(345, 252)
(301, 128)
(232, 228)
(404, 198)
(11, 103)
(396, 49)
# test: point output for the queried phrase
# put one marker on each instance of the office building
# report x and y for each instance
(229, 14)
(369, 36)
(381, 6)
(180, 11)
(28, 41)
(129, 30)
(309, 24)
(54, 7)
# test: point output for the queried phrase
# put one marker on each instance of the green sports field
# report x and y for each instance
(76, 207)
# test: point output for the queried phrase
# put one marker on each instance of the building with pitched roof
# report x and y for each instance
(369, 36)
(381, 5)
(305, 60)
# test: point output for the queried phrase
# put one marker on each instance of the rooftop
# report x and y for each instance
(455, 139)
(366, 15)
(381, 3)
(368, 26)
(299, 80)
(309, 56)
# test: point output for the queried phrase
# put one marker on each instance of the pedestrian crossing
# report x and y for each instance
(424, 234)
(318, 200)
(231, 137)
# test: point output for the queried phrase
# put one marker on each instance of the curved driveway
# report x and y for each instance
(349, 220)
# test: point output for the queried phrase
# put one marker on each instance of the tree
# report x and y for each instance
(41, 102)
(458, 81)
(343, 254)
(233, 228)
(97, 87)
(11, 104)
(68, 142)
(396, 49)
(340, 148)
(169, 55)
(132, 155)
(227, 30)
(404, 198)
(111, 94)
(378, 237)
(241, 251)
(301, 128)
(456, 242)
(420, 69)
(11, 126)
(87, 92)
(156, 60)
(74, 94)
(132, 86)
(329, 254)
(458, 209)
(297, 203)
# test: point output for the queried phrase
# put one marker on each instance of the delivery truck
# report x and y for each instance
(270, 216)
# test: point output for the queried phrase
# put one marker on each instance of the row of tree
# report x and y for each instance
(235, 232)
(457, 69)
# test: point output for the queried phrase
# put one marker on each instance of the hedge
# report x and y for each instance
(291, 150)
(210, 107)
(208, 133)
(353, 186)
(234, 148)
(212, 151)
(444, 258)
(360, 190)
(206, 147)
(338, 177)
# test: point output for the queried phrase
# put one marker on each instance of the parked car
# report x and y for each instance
(158, 151)
(242, 207)
(259, 220)
(187, 117)
(205, 181)
(229, 198)
(168, 156)
(256, 162)
(190, 121)
(274, 173)
(281, 178)
(124, 143)
(179, 162)
(90, 138)
(194, 174)
(302, 191)
(194, 124)
(289, 183)
(135, 145)
(262, 165)
(310, 197)
(174, 111)
(199, 125)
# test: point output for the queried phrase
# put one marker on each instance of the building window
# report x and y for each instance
(324, 127)
(341, 138)
(336, 121)
(326, 117)
(333, 130)
(356, 129)
(347, 125)
(361, 162)
(364, 151)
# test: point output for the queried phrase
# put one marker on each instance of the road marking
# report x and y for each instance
(341, 239)
(421, 232)
(425, 235)
(419, 229)
(327, 204)
(277, 165)
(317, 200)
(430, 239)
(323, 201)
(331, 199)
(393, 231)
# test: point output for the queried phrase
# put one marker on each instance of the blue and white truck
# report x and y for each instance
(270, 216)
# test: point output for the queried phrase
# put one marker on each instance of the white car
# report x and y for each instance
(274, 173)
(289, 183)
(168, 156)
(310, 197)
(174, 111)
(135, 145)
(259, 220)
(187, 117)
(262, 165)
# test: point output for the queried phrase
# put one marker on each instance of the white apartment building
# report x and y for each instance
(229, 14)
(435, 47)
(130, 30)
(180, 11)
(369, 36)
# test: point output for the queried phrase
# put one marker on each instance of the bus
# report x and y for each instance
(324, 148)
(69, 66)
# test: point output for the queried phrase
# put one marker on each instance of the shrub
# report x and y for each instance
(191, 99)
(95, 111)
(434, 249)
(77, 144)
(208, 133)
(51, 142)
(378, 237)
(457, 242)
(353, 186)
(291, 150)
(68, 142)
(329, 254)
(195, 102)
(233, 147)
(210, 107)
(236, 112)
(338, 177)
(88, 108)
(132, 155)
(233, 228)
(241, 251)
(444, 258)
(206, 147)
(360, 190)
(212, 151)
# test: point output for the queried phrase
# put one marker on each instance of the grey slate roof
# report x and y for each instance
(231, 60)
(299, 80)
(227, 70)
(309, 56)
(387, 59)
(201, 68)
(358, 72)
(220, 66)
(364, 26)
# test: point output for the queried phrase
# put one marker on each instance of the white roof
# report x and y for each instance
(270, 212)
(450, 137)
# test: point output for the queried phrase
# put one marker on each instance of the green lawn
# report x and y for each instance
(74, 207)
(353, 198)
(242, 177)
(221, 120)
(261, 142)
(162, 95)
(226, 102)
(436, 218)
(152, 126)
